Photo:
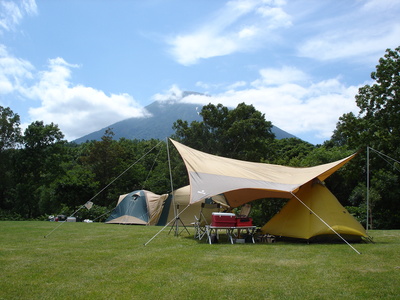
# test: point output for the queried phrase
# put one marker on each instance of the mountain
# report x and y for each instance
(159, 125)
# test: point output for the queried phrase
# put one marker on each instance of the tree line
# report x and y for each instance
(43, 174)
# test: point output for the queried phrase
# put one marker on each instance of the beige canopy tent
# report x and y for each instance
(181, 200)
(243, 181)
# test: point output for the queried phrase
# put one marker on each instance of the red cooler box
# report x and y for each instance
(244, 222)
(223, 219)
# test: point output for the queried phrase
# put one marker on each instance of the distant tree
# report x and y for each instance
(38, 136)
(377, 126)
(241, 133)
(378, 122)
(10, 135)
(10, 132)
(37, 165)
(103, 159)
(289, 151)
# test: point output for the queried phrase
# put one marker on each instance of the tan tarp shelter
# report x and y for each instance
(243, 181)
(295, 221)
(182, 200)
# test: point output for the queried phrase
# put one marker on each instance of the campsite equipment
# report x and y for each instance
(223, 219)
(143, 207)
(205, 218)
(139, 207)
(242, 181)
(243, 221)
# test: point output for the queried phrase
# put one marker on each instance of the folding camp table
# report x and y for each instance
(230, 232)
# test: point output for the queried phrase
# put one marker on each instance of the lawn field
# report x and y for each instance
(100, 261)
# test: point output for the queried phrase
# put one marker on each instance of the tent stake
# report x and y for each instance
(325, 223)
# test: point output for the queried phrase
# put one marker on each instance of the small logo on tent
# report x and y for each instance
(201, 192)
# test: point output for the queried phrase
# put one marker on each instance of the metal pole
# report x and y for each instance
(367, 224)
(176, 212)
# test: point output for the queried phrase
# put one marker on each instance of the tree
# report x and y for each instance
(104, 159)
(241, 133)
(38, 136)
(378, 122)
(37, 165)
(289, 151)
(10, 132)
(377, 126)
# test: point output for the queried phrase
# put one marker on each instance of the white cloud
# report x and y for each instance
(13, 71)
(248, 32)
(190, 48)
(78, 110)
(378, 6)
(360, 33)
(277, 16)
(281, 76)
(172, 94)
(299, 107)
(237, 84)
(12, 12)
(362, 44)
(240, 26)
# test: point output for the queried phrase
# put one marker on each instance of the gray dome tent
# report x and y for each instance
(139, 207)
(143, 207)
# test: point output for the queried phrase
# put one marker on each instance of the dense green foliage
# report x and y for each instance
(43, 174)
(240, 133)
(377, 126)
(48, 176)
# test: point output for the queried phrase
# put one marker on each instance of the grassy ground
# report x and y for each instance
(99, 261)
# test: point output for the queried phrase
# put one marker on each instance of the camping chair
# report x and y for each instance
(245, 211)
(204, 219)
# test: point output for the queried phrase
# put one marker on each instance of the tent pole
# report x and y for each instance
(325, 223)
(173, 220)
(176, 212)
(367, 223)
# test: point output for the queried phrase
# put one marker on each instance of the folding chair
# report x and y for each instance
(205, 218)
(245, 211)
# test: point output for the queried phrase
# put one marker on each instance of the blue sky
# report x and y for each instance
(85, 64)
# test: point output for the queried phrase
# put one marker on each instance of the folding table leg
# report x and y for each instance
(208, 234)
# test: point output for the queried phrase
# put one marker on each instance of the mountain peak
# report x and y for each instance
(158, 125)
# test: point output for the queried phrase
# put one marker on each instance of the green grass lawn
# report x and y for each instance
(99, 261)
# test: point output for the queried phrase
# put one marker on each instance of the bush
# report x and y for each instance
(96, 213)
(10, 216)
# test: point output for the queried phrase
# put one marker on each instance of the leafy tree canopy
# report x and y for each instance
(38, 135)
(241, 133)
(376, 126)
(10, 131)
(378, 122)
